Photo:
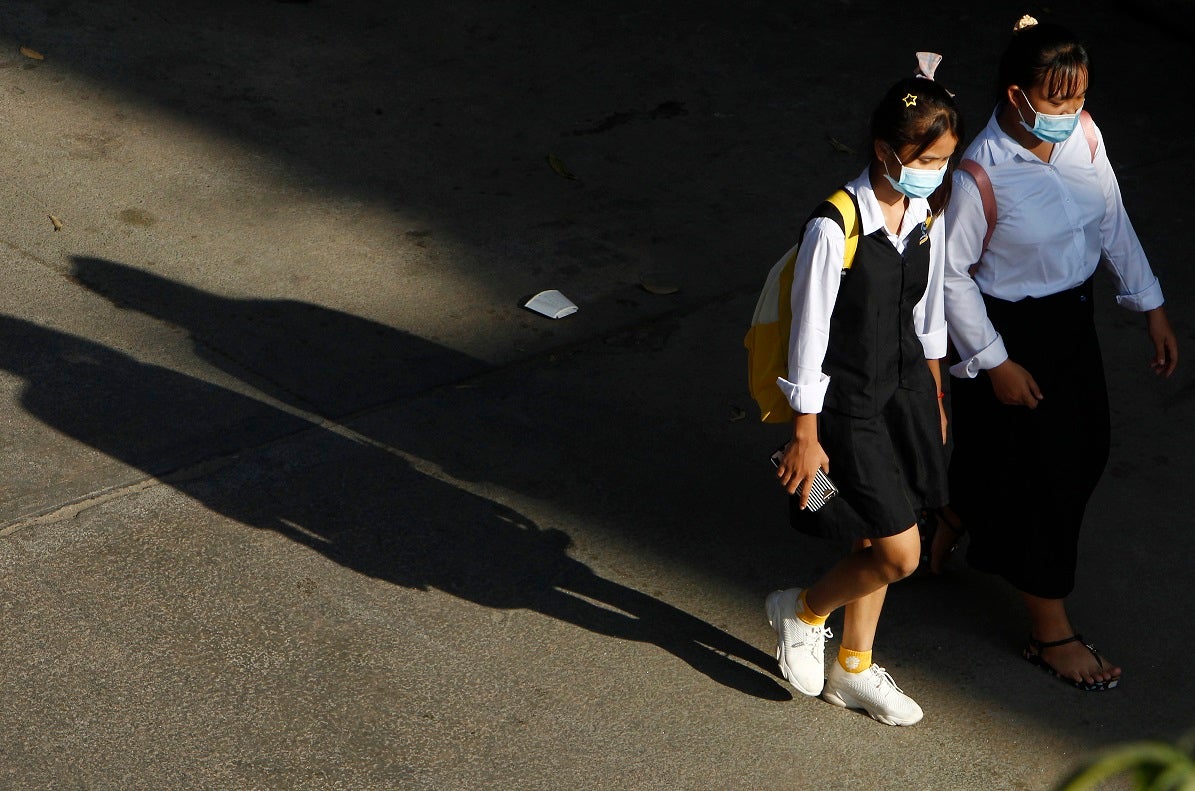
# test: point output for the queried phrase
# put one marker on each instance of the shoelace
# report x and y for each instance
(884, 676)
(817, 631)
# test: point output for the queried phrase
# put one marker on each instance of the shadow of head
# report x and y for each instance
(315, 357)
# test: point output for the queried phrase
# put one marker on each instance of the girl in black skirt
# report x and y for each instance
(864, 384)
(1038, 206)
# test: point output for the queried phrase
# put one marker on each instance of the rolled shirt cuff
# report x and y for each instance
(983, 360)
(1146, 299)
(934, 343)
(804, 398)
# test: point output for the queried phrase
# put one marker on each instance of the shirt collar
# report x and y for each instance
(1002, 141)
(871, 217)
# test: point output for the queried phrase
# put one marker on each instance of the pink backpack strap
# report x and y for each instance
(986, 194)
(1089, 132)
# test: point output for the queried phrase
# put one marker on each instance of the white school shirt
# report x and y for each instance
(1054, 221)
(817, 275)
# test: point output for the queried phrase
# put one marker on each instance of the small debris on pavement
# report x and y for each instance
(32, 53)
(57, 223)
(551, 303)
(839, 146)
(559, 167)
(658, 283)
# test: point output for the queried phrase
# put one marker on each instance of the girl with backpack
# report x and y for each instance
(1036, 210)
(863, 383)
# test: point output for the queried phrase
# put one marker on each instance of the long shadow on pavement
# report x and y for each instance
(360, 506)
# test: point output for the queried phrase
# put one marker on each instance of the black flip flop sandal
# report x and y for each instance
(1032, 654)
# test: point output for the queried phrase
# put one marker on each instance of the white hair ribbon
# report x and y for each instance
(927, 64)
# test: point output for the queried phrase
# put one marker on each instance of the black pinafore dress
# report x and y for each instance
(879, 423)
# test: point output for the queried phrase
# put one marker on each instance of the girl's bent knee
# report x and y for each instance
(896, 568)
(907, 566)
(899, 556)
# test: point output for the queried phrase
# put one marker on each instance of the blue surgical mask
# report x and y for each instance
(914, 182)
(1051, 128)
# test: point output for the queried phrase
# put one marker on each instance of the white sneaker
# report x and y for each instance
(874, 691)
(800, 648)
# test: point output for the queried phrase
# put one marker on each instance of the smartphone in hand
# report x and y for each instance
(821, 492)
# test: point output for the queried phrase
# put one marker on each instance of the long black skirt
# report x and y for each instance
(1021, 478)
(887, 468)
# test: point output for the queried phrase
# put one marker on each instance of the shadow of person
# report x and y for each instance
(359, 505)
(316, 358)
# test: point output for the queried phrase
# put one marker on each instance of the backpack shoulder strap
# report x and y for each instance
(842, 208)
(1089, 132)
(848, 209)
(987, 195)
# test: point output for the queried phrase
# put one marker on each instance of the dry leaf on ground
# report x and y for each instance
(839, 146)
(32, 53)
(658, 283)
(559, 167)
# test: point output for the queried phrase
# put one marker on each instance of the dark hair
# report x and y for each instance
(1045, 54)
(901, 121)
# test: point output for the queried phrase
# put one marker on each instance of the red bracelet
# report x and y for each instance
(941, 395)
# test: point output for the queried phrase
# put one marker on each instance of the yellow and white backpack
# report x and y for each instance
(768, 339)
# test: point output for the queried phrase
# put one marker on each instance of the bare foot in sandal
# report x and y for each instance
(1058, 649)
(1075, 661)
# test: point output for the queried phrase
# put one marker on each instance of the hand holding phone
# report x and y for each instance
(820, 492)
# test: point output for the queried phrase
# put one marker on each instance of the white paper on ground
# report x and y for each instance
(551, 303)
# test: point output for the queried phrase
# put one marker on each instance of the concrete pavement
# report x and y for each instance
(297, 496)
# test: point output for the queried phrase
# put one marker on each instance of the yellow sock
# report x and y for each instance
(854, 661)
(807, 615)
